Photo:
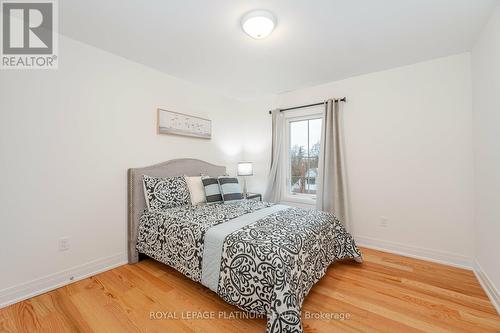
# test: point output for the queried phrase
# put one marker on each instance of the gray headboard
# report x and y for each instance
(136, 202)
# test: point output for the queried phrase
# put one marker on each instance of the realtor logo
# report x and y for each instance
(29, 34)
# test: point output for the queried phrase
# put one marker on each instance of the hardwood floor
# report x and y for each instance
(387, 293)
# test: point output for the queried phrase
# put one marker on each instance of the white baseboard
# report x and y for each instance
(440, 257)
(50, 282)
(488, 286)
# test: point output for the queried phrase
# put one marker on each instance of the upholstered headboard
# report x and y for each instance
(136, 202)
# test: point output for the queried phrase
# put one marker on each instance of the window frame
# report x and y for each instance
(290, 117)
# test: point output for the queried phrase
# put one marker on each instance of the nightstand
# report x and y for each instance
(251, 196)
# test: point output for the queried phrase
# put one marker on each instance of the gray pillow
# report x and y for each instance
(230, 189)
(212, 190)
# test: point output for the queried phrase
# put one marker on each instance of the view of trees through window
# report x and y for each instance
(304, 155)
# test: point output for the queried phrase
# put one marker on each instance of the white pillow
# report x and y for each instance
(196, 190)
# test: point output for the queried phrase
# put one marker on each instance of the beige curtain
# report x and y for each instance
(332, 188)
(275, 184)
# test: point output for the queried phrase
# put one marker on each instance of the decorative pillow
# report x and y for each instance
(212, 190)
(230, 188)
(162, 193)
(196, 189)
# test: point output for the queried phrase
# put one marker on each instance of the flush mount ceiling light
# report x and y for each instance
(258, 24)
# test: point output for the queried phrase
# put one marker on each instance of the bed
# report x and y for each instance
(261, 257)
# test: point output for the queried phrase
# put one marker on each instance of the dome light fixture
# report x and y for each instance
(258, 24)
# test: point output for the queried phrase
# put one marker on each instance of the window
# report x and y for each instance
(303, 147)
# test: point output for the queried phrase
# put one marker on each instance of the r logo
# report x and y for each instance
(27, 28)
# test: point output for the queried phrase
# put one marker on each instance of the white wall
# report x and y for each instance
(486, 111)
(67, 138)
(409, 155)
(257, 140)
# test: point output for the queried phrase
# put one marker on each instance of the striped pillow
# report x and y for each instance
(212, 190)
(230, 188)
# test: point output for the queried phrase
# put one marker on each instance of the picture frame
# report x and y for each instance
(176, 123)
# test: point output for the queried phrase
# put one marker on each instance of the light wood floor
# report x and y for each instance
(387, 293)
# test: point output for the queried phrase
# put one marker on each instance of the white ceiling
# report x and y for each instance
(315, 41)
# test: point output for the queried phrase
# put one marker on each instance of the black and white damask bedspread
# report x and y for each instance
(175, 236)
(267, 266)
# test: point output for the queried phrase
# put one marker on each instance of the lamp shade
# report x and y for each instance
(245, 169)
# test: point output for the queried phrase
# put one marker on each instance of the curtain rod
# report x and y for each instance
(343, 99)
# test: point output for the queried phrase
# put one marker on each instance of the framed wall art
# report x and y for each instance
(170, 122)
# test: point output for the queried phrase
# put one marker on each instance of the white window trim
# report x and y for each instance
(308, 199)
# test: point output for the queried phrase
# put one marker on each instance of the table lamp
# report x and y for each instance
(245, 169)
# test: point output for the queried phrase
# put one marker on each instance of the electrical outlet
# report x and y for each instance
(383, 222)
(63, 244)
